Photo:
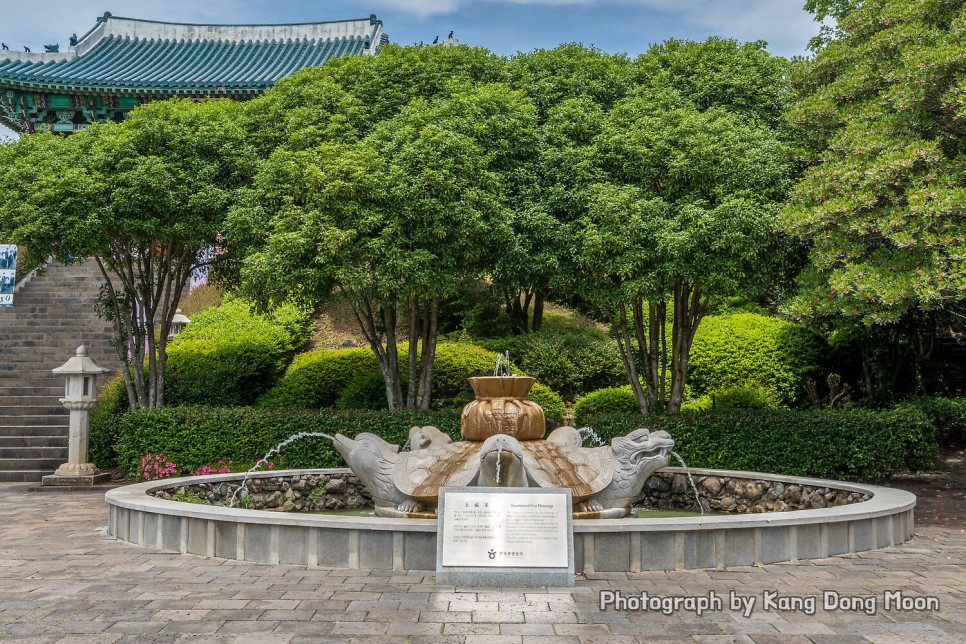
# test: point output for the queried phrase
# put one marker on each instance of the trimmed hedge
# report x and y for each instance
(194, 436)
(611, 401)
(948, 414)
(849, 445)
(739, 349)
(230, 355)
(570, 360)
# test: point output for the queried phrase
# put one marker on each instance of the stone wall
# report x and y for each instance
(670, 490)
(664, 491)
(302, 493)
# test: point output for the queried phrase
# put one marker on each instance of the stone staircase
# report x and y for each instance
(51, 316)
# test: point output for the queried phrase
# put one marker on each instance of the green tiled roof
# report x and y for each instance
(124, 56)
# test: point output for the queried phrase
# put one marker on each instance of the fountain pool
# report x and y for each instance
(600, 545)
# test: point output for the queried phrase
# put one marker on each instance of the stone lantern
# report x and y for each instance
(178, 323)
(80, 396)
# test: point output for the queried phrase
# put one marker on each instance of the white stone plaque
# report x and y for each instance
(503, 529)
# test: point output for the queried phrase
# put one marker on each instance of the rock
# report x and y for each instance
(711, 485)
(335, 486)
(679, 485)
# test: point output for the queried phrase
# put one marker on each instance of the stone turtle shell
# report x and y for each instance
(586, 471)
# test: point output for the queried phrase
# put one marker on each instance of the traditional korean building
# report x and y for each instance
(122, 62)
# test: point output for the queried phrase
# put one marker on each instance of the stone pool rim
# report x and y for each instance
(601, 545)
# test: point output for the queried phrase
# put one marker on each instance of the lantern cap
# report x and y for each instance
(80, 365)
(180, 317)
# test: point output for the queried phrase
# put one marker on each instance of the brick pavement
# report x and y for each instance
(63, 580)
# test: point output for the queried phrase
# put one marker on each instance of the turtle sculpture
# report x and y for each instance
(604, 481)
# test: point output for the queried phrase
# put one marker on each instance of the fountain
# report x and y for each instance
(504, 446)
(502, 429)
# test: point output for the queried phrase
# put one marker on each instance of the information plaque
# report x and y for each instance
(505, 537)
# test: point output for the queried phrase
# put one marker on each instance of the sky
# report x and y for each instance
(504, 26)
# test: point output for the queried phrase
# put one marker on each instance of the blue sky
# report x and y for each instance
(505, 26)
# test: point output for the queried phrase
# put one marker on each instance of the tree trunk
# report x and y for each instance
(624, 344)
(413, 357)
(537, 313)
(430, 327)
(689, 308)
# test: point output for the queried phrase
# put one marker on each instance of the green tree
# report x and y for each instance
(685, 214)
(392, 223)
(144, 198)
(882, 202)
(568, 85)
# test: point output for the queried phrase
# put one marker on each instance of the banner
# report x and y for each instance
(8, 273)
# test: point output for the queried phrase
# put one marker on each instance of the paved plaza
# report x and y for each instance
(63, 580)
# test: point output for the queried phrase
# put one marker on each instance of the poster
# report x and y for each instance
(8, 273)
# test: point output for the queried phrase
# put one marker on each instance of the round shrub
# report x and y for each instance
(553, 405)
(316, 379)
(744, 397)
(456, 362)
(739, 349)
(366, 392)
(228, 355)
(610, 400)
(571, 360)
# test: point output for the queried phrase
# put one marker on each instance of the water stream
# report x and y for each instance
(272, 452)
(499, 457)
(589, 434)
(697, 497)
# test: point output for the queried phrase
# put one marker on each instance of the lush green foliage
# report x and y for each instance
(230, 355)
(948, 414)
(316, 379)
(882, 110)
(746, 348)
(143, 197)
(849, 445)
(103, 429)
(570, 360)
(195, 436)
(553, 405)
(611, 401)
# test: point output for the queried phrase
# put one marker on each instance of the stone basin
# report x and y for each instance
(611, 545)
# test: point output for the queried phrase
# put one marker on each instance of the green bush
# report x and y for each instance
(228, 355)
(750, 396)
(571, 360)
(103, 429)
(553, 405)
(618, 401)
(456, 362)
(849, 445)
(739, 349)
(948, 414)
(366, 392)
(194, 436)
(316, 379)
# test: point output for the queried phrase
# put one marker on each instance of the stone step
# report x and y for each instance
(36, 430)
(33, 453)
(50, 388)
(29, 401)
(33, 441)
(29, 421)
(17, 464)
(24, 476)
(12, 411)
(25, 383)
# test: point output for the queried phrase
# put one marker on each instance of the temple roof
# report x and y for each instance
(127, 56)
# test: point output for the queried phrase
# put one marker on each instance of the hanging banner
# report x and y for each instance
(8, 273)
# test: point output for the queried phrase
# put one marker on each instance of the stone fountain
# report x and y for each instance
(503, 446)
